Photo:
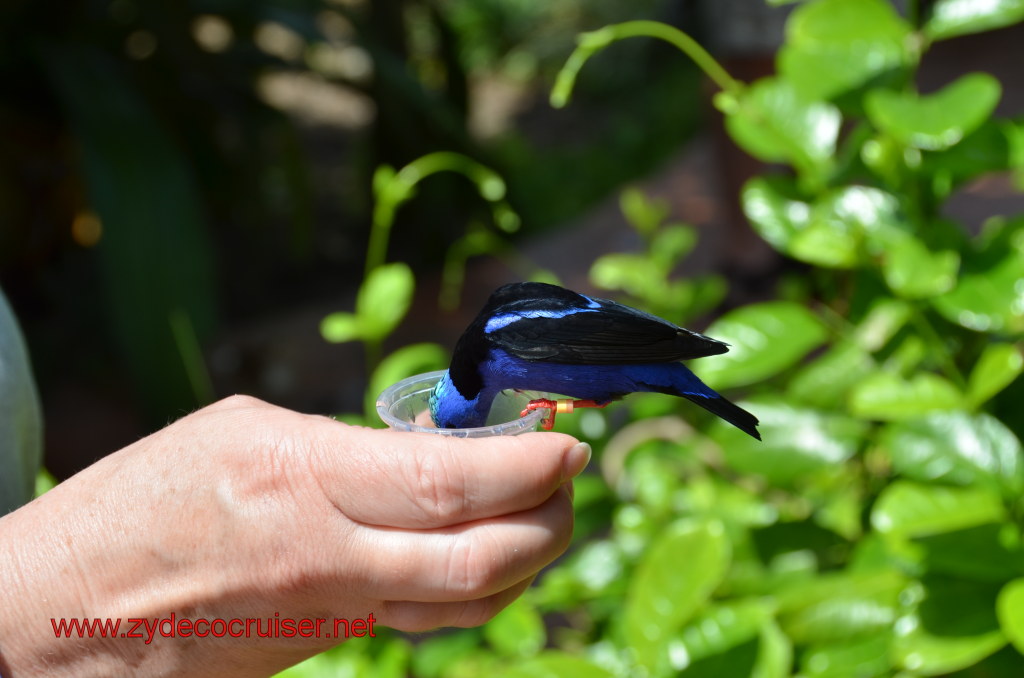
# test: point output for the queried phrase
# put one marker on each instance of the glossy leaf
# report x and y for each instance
(839, 607)
(908, 509)
(912, 271)
(989, 296)
(764, 339)
(950, 18)
(997, 367)
(833, 46)
(516, 631)
(722, 627)
(958, 448)
(826, 382)
(935, 121)
(677, 575)
(865, 656)
(883, 321)
(795, 442)
(833, 231)
(889, 397)
(1010, 610)
(555, 664)
(954, 627)
(774, 123)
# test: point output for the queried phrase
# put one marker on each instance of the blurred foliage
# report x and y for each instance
(171, 168)
(877, 530)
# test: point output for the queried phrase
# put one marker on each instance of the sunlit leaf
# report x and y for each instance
(912, 271)
(865, 656)
(889, 397)
(555, 664)
(954, 627)
(826, 382)
(950, 18)
(764, 339)
(833, 231)
(955, 447)
(989, 296)
(836, 45)
(997, 367)
(723, 626)
(516, 631)
(910, 509)
(1010, 610)
(383, 300)
(677, 575)
(935, 121)
(340, 327)
(795, 442)
(774, 123)
(842, 606)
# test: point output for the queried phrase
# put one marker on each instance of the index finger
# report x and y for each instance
(423, 481)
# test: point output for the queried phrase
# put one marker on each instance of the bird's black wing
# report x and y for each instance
(572, 328)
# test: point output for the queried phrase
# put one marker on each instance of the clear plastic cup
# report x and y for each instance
(405, 406)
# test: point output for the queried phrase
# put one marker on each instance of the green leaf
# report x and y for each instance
(340, 327)
(866, 656)
(832, 232)
(839, 607)
(833, 46)
(883, 321)
(722, 627)
(516, 631)
(677, 575)
(990, 553)
(935, 121)
(624, 271)
(989, 296)
(950, 18)
(955, 447)
(1010, 610)
(555, 664)
(383, 300)
(774, 123)
(764, 339)
(954, 627)
(643, 212)
(826, 382)
(908, 509)
(912, 271)
(796, 442)
(889, 397)
(997, 367)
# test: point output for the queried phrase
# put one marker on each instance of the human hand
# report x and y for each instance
(246, 510)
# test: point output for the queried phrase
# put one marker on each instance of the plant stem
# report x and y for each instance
(593, 42)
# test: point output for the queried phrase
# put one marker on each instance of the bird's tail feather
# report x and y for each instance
(682, 382)
(732, 413)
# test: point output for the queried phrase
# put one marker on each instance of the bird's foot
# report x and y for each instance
(562, 405)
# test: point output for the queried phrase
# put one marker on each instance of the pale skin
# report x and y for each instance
(243, 509)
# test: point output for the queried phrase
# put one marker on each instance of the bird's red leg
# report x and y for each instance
(557, 407)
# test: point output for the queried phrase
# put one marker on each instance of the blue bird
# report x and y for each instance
(540, 337)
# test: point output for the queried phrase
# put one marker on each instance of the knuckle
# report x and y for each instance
(470, 574)
(433, 488)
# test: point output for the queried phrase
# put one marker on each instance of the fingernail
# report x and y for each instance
(576, 459)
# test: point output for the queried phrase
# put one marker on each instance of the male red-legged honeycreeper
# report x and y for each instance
(540, 337)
